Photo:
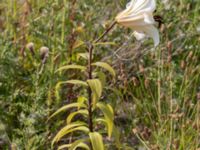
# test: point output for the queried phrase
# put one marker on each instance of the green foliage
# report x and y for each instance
(65, 108)
(96, 87)
(72, 115)
(71, 67)
(84, 108)
(105, 66)
(76, 144)
(75, 126)
(96, 140)
(109, 116)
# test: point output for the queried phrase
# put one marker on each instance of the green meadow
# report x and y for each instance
(69, 80)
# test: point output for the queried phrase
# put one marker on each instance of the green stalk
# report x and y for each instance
(63, 21)
(171, 105)
(159, 83)
(197, 122)
(15, 18)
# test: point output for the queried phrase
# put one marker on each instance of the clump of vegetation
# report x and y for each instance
(52, 70)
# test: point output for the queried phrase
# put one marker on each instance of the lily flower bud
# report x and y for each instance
(138, 16)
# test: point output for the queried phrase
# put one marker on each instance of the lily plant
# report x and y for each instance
(138, 16)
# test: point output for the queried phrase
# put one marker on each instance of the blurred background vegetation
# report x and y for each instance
(156, 96)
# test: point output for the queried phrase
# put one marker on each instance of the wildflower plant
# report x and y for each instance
(138, 16)
(87, 105)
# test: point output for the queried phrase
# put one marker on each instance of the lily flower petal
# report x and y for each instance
(138, 16)
(153, 33)
(139, 36)
(148, 19)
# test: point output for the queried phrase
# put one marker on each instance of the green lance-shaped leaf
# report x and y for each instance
(78, 43)
(72, 115)
(64, 146)
(101, 121)
(96, 140)
(101, 76)
(83, 55)
(66, 128)
(75, 126)
(96, 87)
(66, 107)
(116, 135)
(105, 43)
(81, 128)
(105, 66)
(75, 82)
(75, 145)
(109, 116)
(79, 144)
(81, 99)
(71, 67)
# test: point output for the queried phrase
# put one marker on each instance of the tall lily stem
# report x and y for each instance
(90, 70)
(90, 122)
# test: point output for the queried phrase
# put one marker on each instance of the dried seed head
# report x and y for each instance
(146, 133)
(30, 46)
(79, 29)
(183, 64)
(141, 68)
(135, 130)
(169, 45)
(146, 83)
(155, 147)
(162, 28)
(194, 58)
(13, 146)
(169, 59)
(135, 81)
(198, 96)
(44, 53)
(190, 55)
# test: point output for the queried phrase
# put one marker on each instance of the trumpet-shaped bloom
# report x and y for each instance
(138, 16)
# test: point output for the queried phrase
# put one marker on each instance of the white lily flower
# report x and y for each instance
(138, 16)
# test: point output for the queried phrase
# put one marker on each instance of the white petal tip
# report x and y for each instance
(139, 36)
